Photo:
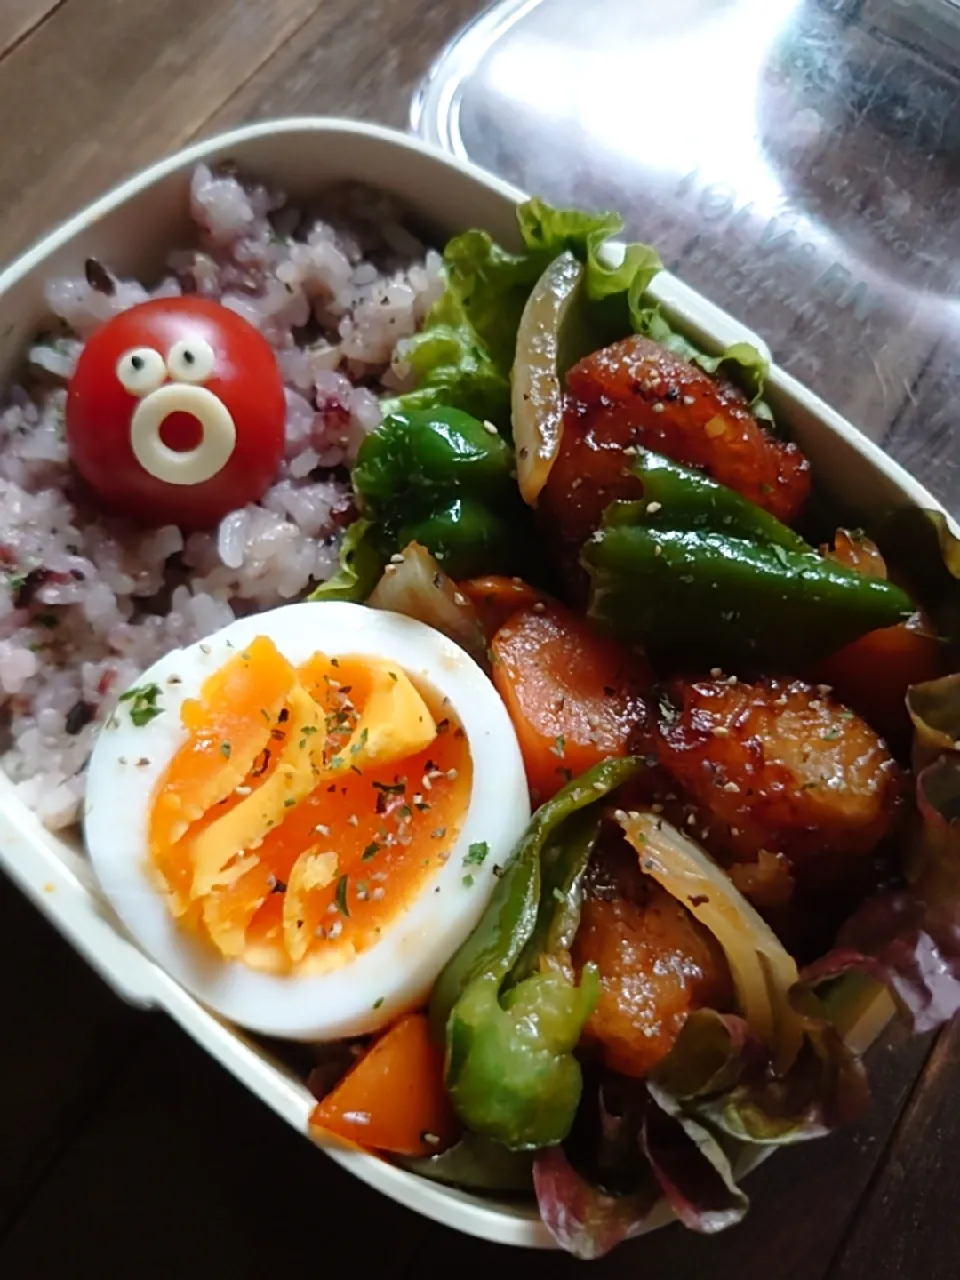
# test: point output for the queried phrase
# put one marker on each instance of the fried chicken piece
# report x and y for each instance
(656, 964)
(637, 393)
(776, 779)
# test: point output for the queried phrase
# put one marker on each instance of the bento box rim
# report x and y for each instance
(67, 897)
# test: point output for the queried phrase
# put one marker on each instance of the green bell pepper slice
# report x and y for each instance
(695, 593)
(446, 480)
(510, 1018)
(562, 867)
(423, 454)
(512, 912)
(511, 1072)
(467, 536)
(678, 497)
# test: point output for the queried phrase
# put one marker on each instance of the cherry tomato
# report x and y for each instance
(175, 413)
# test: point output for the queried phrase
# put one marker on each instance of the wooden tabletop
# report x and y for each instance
(122, 1147)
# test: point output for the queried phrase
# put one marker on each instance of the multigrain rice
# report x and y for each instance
(87, 602)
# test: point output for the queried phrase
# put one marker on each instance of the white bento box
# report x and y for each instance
(131, 228)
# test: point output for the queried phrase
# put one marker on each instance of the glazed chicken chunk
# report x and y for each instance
(637, 393)
(776, 779)
(655, 962)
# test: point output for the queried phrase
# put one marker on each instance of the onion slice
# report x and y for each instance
(762, 970)
(414, 584)
(537, 393)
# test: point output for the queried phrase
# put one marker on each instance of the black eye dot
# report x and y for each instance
(189, 357)
(137, 362)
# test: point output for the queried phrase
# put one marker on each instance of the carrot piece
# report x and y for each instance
(872, 674)
(497, 598)
(858, 552)
(393, 1099)
(575, 698)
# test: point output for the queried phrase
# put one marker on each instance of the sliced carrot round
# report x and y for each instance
(574, 697)
(497, 598)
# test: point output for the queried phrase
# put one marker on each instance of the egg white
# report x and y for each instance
(397, 972)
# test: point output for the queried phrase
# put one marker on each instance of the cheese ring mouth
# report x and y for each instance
(213, 451)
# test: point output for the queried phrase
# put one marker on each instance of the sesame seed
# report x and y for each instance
(439, 833)
(321, 830)
(689, 400)
(654, 507)
(657, 408)
(379, 876)
(390, 568)
(205, 648)
(721, 731)
(377, 894)
(396, 558)
(452, 774)
(716, 672)
(599, 786)
(734, 831)
(732, 787)
(539, 607)
(319, 931)
(425, 782)
(353, 820)
(489, 427)
(335, 929)
(243, 791)
(691, 819)
(620, 815)
(657, 808)
(418, 798)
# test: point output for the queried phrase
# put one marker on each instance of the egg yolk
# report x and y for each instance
(308, 807)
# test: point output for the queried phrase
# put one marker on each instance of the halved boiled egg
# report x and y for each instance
(302, 817)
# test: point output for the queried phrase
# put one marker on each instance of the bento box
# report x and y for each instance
(132, 227)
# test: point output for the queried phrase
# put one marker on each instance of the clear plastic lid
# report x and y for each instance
(797, 161)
